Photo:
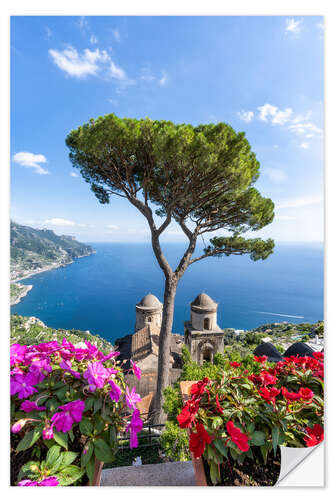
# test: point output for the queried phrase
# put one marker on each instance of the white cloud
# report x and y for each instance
(93, 39)
(117, 72)
(301, 201)
(275, 175)
(112, 101)
(30, 160)
(276, 115)
(74, 174)
(82, 24)
(276, 146)
(116, 34)
(112, 227)
(162, 81)
(304, 145)
(59, 222)
(293, 26)
(79, 66)
(298, 124)
(246, 116)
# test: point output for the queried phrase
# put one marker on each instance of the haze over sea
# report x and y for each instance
(99, 292)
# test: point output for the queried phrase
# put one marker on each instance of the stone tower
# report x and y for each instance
(203, 336)
(148, 312)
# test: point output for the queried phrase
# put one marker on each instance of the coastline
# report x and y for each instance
(24, 291)
(42, 270)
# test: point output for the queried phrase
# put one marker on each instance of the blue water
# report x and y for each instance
(99, 292)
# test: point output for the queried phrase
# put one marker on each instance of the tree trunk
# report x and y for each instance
(164, 348)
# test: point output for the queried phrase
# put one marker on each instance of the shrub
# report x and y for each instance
(73, 398)
(264, 408)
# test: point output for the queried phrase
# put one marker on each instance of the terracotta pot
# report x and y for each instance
(97, 473)
(198, 466)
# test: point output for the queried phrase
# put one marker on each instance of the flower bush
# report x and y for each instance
(71, 397)
(262, 408)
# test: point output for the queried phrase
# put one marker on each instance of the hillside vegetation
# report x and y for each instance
(29, 331)
(35, 250)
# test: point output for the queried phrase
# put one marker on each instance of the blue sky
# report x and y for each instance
(262, 75)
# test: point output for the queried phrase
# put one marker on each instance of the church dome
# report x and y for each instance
(149, 301)
(204, 302)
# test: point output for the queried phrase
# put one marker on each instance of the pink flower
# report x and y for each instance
(134, 427)
(96, 375)
(72, 412)
(29, 406)
(115, 391)
(23, 385)
(132, 398)
(19, 425)
(49, 481)
(136, 370)
(48, 432)
(17, 353)
(111, 354)
(67, 366)
(40, 369)
(306, 393)
(27, 482)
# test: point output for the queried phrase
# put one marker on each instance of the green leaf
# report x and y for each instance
(214, 473)
(103, 452)
(56, 466)
(220, 447)
(90, 469)
(68, 457)
(61, 438)
(113, 438)
(29, 439)
(86, 427)
(29, 470)
(250, 428)
(275, 438)
(89, 403)
(233, 453)
(97, 404)
(264, 451)
(258, 438)
(85, 457)
(69, 475)
(52, 455)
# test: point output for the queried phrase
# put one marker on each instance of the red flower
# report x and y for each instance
(268, 378)
(290, 396)
(198, 440)
(187, 415)
(315, 435)
(256, 379)
(237, 436)
(220, 409)
(318, 355)
(234, 364)
(260, 359)
(199, 388)
(269, 395)
(306, 393)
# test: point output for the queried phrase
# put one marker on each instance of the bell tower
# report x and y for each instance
(203, 336)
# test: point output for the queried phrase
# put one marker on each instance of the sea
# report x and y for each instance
(99, 292)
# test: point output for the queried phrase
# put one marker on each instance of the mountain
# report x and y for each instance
(36, 250)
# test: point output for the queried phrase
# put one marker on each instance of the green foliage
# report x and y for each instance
(174, 441)
(57, 464)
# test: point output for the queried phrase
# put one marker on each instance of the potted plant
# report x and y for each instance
(68, 405)
(239, 420)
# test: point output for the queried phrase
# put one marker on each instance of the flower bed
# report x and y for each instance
(68, 405)
(240, 414)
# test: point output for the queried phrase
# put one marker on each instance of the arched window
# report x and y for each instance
(149, 319)
(206, 324)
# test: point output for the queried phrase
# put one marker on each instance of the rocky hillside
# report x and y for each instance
(35, 250)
